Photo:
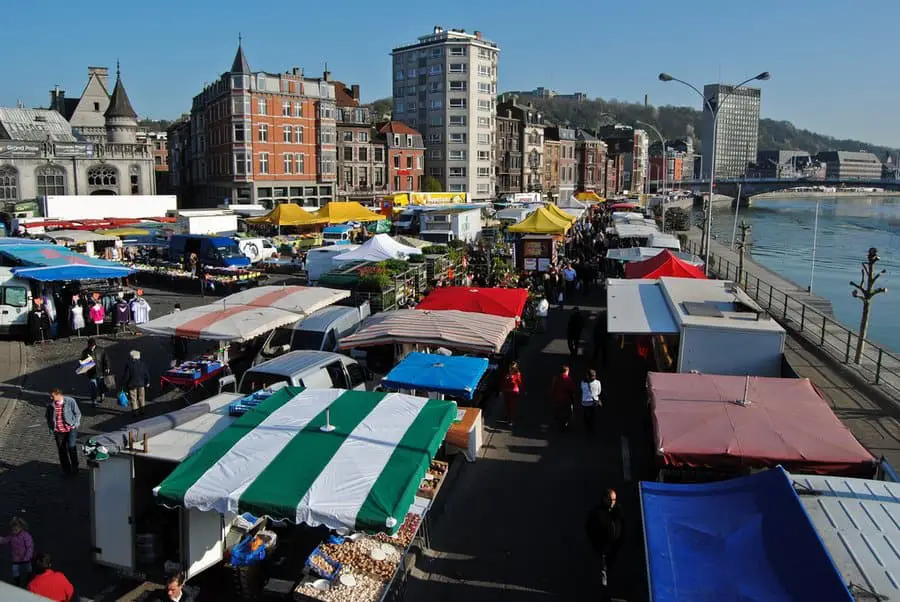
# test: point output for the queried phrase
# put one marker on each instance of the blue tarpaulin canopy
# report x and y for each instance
(48, 263)
(452, 375)
(747, 539)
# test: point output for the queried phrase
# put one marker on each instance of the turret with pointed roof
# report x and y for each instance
(240, 64)
(121, 119)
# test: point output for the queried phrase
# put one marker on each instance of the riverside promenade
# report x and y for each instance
(866, 397)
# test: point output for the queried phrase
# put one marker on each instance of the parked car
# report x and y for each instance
(257, 249)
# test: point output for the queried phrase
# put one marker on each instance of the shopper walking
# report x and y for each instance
(573, 330)
(22, 550)
(136, 381)
(176, 590)
(562, 396)
(511, 389)
(590, 399)
(63, 418)
(49, 583)
(604, 529)
(541, 311)
(101, 369)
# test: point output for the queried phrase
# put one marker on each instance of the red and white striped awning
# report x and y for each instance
(453, 329)
(298, 299)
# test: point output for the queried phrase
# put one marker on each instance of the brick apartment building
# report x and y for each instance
(560, 177)
(591, 162)
(405, 156)
(258, 137)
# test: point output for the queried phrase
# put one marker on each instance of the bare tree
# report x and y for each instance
(865, 291)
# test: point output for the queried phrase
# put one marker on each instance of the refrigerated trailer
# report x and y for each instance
(81, 207)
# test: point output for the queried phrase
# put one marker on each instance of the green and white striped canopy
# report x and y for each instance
(276, 461)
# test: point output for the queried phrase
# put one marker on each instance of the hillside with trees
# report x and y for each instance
(679, 122)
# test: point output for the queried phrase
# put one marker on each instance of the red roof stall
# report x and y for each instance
(623, 207)
(663, 264)
(506, 302)
(726, 423)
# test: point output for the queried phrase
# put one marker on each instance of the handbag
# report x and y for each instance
(123, 399)
(109, 380)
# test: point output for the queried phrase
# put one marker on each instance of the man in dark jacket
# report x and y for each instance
(101, 369)
(63, 419)
(573, 331)
(136, 381)
(604, 529)
(176, 590)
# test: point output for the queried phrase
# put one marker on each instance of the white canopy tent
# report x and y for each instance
(380, 247)
(638, 307)
(302, 300)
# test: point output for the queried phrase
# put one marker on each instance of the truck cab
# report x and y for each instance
(337, 235)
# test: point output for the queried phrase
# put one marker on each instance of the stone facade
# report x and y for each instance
(508, 161)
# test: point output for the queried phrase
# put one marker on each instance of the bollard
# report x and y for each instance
(802, 316)
(847, 352)
(824, 323)
(146, 449)
(878, 367)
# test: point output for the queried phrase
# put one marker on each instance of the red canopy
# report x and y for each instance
(698, 421)
(663, 264)
(506, 302)
(623, 206)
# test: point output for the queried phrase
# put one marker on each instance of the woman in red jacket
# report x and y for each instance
(511, 389)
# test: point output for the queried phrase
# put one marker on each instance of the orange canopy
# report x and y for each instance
(664, 264)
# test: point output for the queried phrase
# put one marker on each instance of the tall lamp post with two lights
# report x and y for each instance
(714, 111)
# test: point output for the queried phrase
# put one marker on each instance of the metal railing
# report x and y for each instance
(877, 365)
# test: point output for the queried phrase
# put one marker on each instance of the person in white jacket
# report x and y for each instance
(590, 399)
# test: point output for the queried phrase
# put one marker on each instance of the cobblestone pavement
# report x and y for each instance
(57, 509)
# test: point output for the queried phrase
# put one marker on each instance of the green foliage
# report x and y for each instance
(681, 122)
(431, 184)
(382, 108)
(374, 279)
(416, 259)
(434, 250)
(394, 266)
(457, 244)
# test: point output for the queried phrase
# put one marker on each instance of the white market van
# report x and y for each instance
(15, 303)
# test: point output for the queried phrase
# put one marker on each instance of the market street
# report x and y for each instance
(511, 527)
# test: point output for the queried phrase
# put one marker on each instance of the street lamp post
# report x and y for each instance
(665, 168)
(665, 77)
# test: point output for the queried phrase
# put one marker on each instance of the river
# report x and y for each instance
(782, 240)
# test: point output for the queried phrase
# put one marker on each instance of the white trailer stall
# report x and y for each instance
(75, 207)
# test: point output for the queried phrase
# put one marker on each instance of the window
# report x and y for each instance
(134, 175)
(457, 67)
(484, 172)
(288, 159)
(435, 154)
(458, 137)
(398, 75)
(456, 155)
(299, 163)
(356, 372)
(263, 132)
(435, 70)
(379, 154)
(484, 70)
(335, 369)
(484, 122)
(240, 105)
(419, 162)
(436, 104)
(436, 120)
(261, 106)
(409, 163)
(484, 105)
(239, 132)
(457, 51)
(241, 163)
(457, 86)
(96, 107)
(363, 136)
(9, 183)
(379, 176)
(484, 87)
(99, 176)
(484, 155)
(483, 188)
(396, 161)
(457, 120)
(396, 182)
(286, 133)
(435, 86)
(286, 108)
(50, 180)
(298, 134)
(409, 182)
(399, 107)
(263, 162)
(298, 109)
(457, 188)
(434, 138)
(436, 53)
(436, 172)
(410, 73)
(457, 103)
(347, 136)
(16, 296)
(348, 153)
(363, 153)
(484, 138)
(457, 172)
(411, 107)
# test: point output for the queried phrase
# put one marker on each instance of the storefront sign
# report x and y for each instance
(543, 264)
(532, 248)
(530, 264)
(73, 150)
(20, 149)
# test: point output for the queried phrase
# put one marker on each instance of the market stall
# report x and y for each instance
(287, 214)
(91, 242)
(628, 254)
(454, 376)
(708, 425)
(743, 539)
(665, 263)
(380, 247)
(302, 300)
(341, 212)
(506, 302)
(563, 215)
(542, 221)
(452, 329)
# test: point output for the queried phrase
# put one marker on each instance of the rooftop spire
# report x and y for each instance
(240, 64)
(119, 105)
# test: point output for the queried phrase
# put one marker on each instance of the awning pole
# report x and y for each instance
(327, 427)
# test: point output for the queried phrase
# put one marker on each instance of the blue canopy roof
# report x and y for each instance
(452, 375)
(746, 539)
(47, 263)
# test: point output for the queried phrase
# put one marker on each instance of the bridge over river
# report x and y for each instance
(750, 187)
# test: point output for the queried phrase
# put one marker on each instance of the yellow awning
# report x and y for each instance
(589, 196)
(541, 221)
(339, 212)
(287, 214)
(561, 214)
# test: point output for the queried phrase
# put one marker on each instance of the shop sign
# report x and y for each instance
(20, 149)
(73, 150)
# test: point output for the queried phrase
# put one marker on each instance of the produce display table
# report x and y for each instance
(467, 435)
(192, 373)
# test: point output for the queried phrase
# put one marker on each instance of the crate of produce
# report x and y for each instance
(319, 563)
(349, 586)
(361, 553)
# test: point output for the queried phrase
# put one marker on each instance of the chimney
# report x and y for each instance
(438, 29)
(297, 71)
(102, 74)
(326, 75)
(57, 99)
(354, 91)
(477, 35)
(646, 100)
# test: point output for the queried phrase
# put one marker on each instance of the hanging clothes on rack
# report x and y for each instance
(76, 317)
(121, 313)
(98, 314)
(38, 325)
(140, 310)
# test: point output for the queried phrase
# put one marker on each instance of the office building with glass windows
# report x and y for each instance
(737, 131)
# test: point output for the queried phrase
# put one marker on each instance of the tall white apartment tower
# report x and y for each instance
(445, 86)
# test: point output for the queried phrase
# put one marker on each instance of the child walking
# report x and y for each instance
(22, 547)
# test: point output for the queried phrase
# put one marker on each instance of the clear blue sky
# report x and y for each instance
(833, 63)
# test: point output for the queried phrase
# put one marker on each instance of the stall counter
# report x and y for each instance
(466, 436)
